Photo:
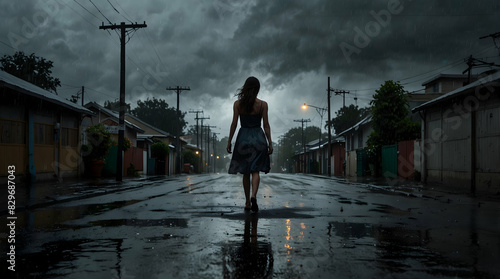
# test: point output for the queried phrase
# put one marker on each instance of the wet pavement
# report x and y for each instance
(307, 227)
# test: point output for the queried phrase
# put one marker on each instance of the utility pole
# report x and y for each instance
(201, 141)
(83, 94)
(494, 36)
(208, 144)
(329, 161)
(215, 152)
(121, 122)
(178, 147)
(303, 139)
(197, 132)
(343, 92)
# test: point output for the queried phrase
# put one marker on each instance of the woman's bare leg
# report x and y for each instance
(255, 188)
(255, 183)
(246, 189)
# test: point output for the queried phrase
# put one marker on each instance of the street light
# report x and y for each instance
(320, 111)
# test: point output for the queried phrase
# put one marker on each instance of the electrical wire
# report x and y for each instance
(100, 12)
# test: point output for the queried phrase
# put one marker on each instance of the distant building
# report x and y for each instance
(151, 134)
(355, 141)
(444, 83)
(110, 119)
(315, 159)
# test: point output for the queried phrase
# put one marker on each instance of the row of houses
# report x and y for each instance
(459, 145)
(42, 133)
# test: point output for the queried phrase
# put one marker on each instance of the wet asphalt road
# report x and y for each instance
(307, 227)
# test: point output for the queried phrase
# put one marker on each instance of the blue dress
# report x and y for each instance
(250, 150)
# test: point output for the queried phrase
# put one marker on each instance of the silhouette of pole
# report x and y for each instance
(121, 121)
(303, 139)
(329, 163)
(178, 147)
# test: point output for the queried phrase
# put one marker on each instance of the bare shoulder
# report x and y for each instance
(264, 104)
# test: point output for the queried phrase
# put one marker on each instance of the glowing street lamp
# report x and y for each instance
(321, 111)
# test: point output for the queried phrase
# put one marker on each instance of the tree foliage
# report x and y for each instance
(390, 118)
(115, 106)
(160, 150)
(291, 143)
(31, 68)
(347, 117)
(157, 113)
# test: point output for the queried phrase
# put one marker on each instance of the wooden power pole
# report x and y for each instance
(178, 147)
(303, 140)
(329, 161)
(121, 122)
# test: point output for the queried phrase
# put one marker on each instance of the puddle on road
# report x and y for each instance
(173, 222)
(400, 250)
(52, 218)
(383, 208)
(59, 259)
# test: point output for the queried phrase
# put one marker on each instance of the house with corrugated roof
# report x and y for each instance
(461, 137)
(40, 132)
(110, 119)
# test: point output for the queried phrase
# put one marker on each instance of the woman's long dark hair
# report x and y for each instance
(248, 94)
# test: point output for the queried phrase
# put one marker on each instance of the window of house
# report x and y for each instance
(44, 133)
(69, 137)
(435, 88)
(12, 131)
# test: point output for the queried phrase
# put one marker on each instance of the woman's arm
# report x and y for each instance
(267, 127)
(234, 124)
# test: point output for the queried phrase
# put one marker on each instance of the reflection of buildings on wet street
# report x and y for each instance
(307, 227)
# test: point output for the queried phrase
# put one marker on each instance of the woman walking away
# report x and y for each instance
(251, 151)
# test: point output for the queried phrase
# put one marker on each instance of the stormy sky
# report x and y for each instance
(213, 46)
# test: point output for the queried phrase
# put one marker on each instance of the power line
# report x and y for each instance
(86, 10)
(113, 7)
(100, 12)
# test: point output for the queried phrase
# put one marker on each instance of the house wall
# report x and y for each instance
(351, 165)
(445, 85)
(406, 160)
(338, 151)
(56, 151)
(13, 135)
(462, 143)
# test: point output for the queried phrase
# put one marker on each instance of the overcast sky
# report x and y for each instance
(213, 46)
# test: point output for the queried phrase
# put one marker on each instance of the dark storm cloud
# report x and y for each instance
(212, 46)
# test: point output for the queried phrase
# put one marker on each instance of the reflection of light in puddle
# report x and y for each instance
(288, 229)
(290, 236)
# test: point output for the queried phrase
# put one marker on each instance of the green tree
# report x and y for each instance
(33, 69)
(157, 113)
(390, 119)
(115, 106)
(190, 157)
(347, 117)
(291, 143)
(160, 150)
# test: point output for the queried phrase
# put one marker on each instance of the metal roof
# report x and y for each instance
(443, 76)
(114, 115)
(26, 88)
(356, 126)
